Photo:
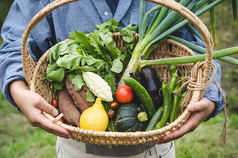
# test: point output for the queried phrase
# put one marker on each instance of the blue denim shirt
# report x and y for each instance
(82, 16)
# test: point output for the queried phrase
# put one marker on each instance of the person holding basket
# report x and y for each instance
(83, 16)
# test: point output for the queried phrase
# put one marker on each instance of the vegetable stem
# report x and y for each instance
(201, 50)
(188, 59)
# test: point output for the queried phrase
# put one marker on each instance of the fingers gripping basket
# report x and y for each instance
(36, 72)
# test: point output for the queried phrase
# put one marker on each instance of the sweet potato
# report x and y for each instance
(79, 97)
(68, 108)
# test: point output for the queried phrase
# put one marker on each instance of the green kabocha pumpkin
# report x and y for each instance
(130, 118)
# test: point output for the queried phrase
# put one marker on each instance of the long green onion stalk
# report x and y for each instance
(188, 59)
(164, 23)
(213, 24)
(202, 50)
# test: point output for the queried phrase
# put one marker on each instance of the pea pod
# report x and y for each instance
(167, 105)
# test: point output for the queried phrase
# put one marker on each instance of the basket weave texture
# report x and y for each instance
(36, 72)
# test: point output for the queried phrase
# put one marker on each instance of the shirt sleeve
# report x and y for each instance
(21, 12)
(211, 92)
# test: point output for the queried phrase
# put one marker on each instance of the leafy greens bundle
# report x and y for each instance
(95, 52)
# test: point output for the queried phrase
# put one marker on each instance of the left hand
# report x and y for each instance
(200, 111)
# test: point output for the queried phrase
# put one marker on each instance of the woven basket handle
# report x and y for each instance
(28, 62)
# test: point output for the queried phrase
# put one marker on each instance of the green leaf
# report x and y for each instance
(110, 44)
(88, 68)
(128, 33)
(102, 52)
(111, 25)
(70, 49)
(55, 74)
(234, 8)
(111, 80)
(61, 49)
(69, 61)
(77, 81)
(53, 55)
(90, 97)
(117, 66)
(83, 41)
(58, 85)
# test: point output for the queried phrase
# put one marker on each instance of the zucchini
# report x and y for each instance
(142, 94)
(156, 117)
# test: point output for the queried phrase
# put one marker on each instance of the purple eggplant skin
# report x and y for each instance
(150, 80)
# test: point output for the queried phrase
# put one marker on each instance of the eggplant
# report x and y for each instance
(150, 80)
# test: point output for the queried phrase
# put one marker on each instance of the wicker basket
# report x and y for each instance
(36, 72)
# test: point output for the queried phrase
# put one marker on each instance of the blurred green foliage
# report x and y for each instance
(4, 8)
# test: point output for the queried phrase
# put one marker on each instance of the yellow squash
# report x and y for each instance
(95, 117)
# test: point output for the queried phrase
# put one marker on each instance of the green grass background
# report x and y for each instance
(18, 139)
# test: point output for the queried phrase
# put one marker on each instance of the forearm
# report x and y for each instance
(17, 89)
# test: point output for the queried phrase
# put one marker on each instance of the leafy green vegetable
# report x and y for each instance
(96, 52)
(111, 80)
(77, 81)
(109, 26)
(55, 73)
(89, 96)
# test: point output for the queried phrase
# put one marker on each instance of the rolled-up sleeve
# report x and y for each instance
(10, 52)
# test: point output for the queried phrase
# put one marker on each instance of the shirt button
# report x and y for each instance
(106, 13)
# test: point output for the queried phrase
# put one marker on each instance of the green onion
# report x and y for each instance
(164, 23)
(141, 15)
(201, 50)
(188, 59)
(213, 25)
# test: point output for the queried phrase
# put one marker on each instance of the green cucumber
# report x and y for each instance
(156, 117)
(142, 94)
(167, 105)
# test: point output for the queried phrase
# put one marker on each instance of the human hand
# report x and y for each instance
(32, 104)
(200, 111)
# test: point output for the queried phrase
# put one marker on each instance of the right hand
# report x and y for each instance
(32, 104)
